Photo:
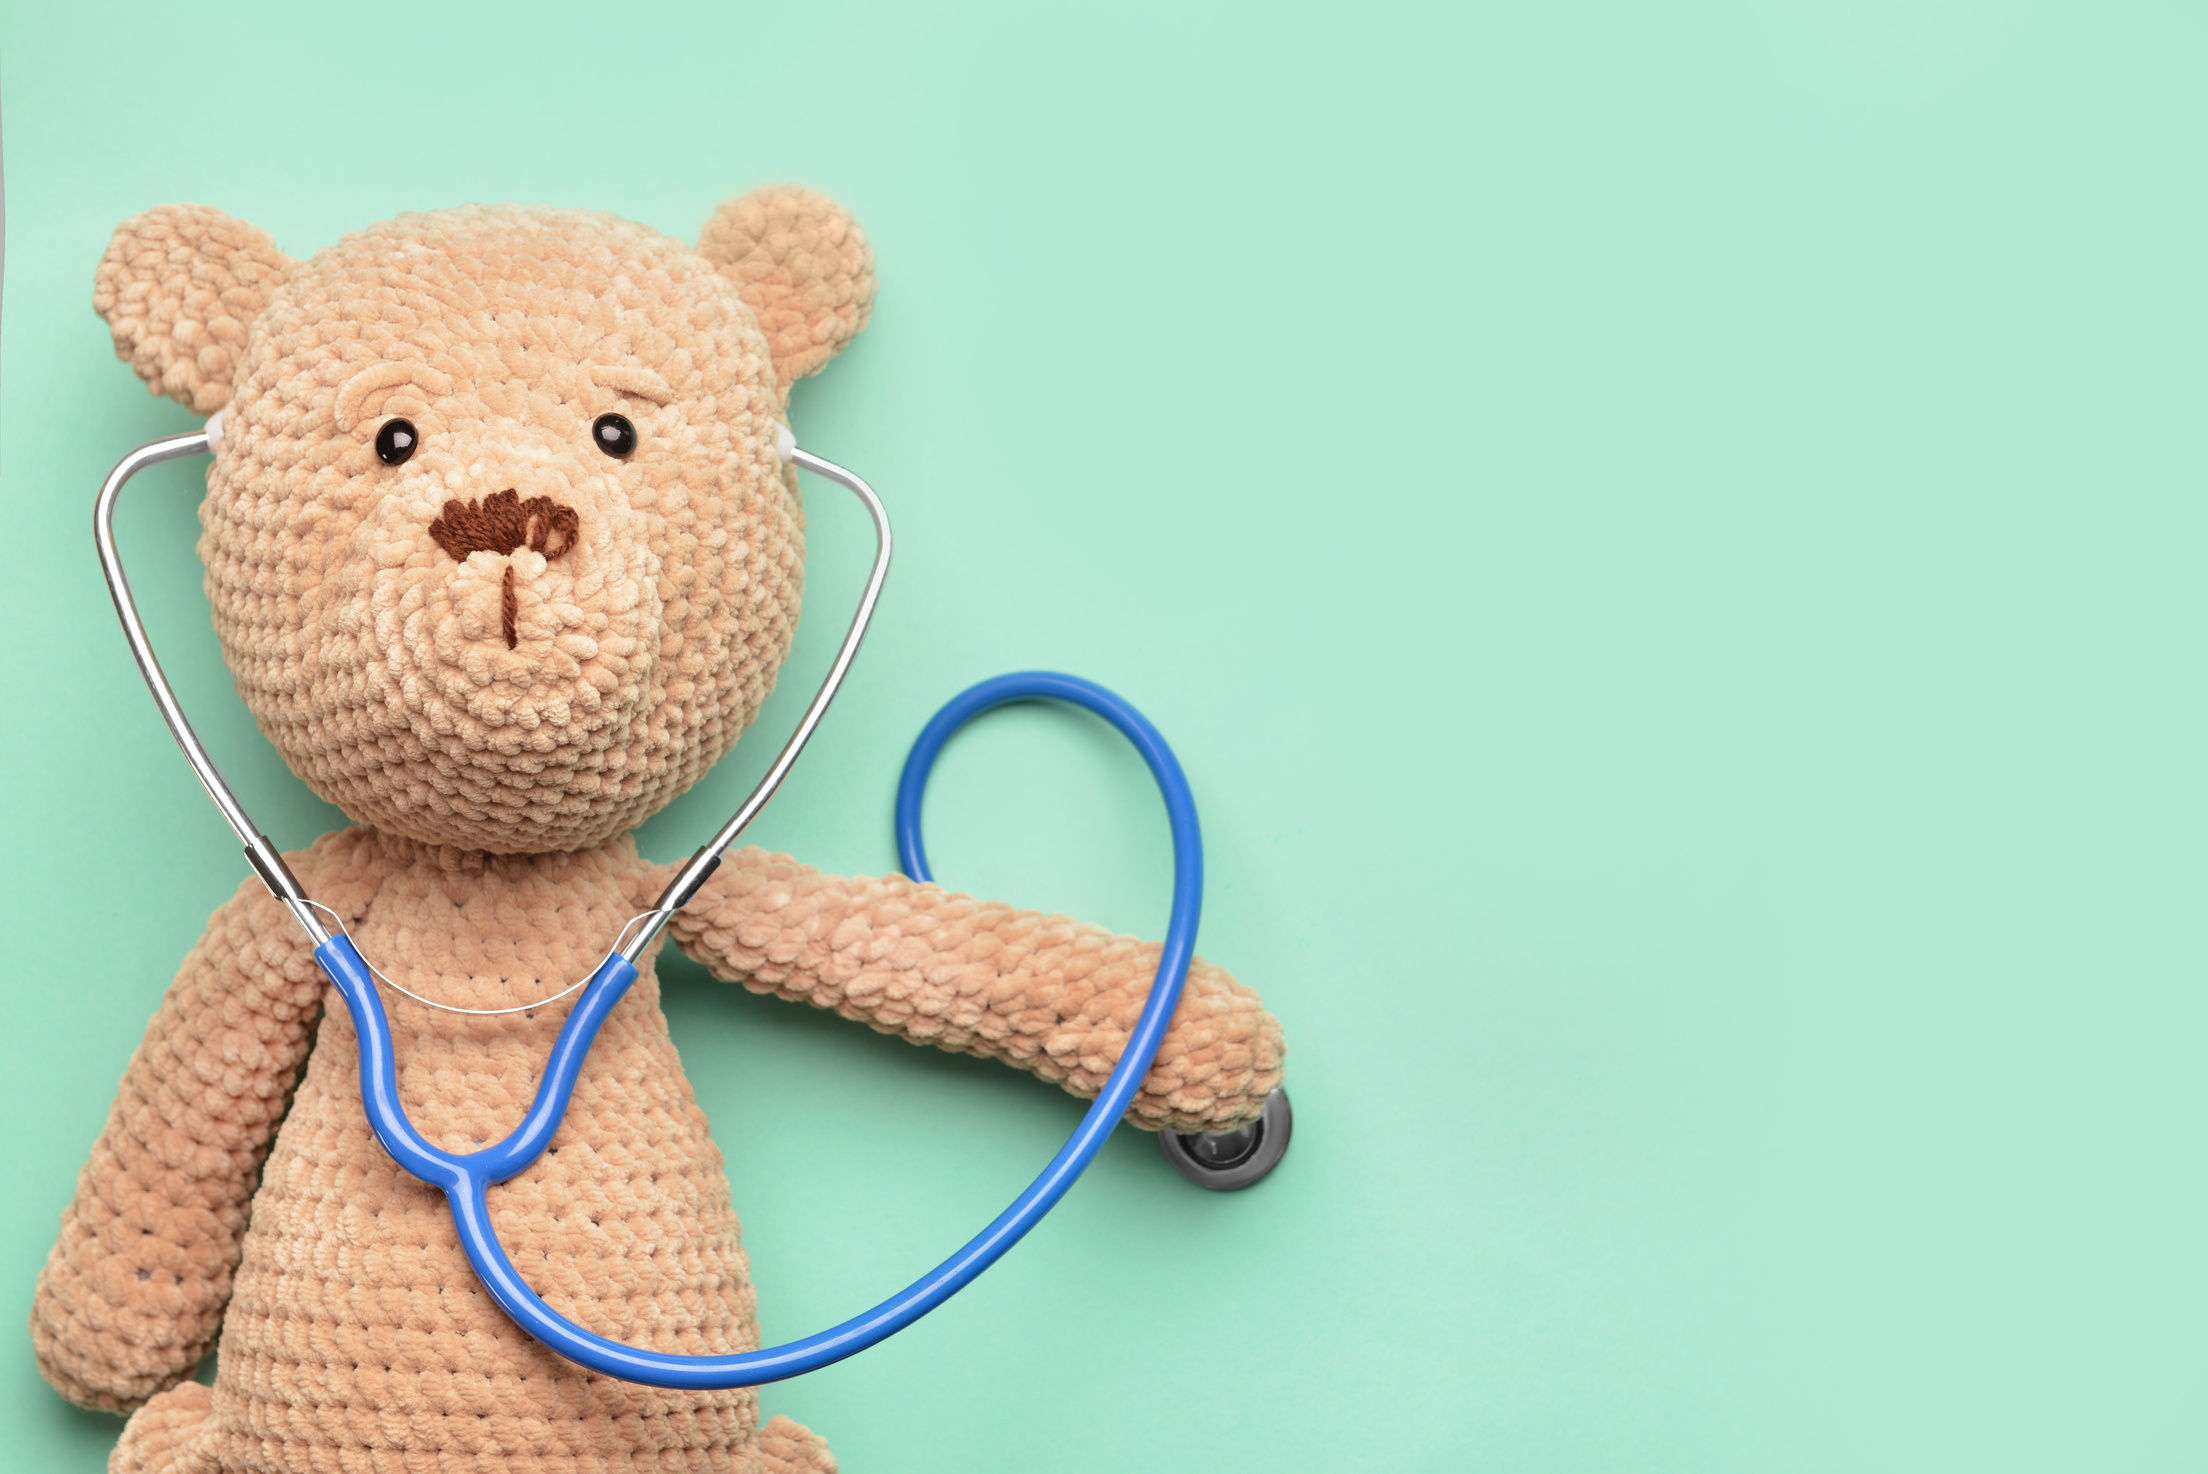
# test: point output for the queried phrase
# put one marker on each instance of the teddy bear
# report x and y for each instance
(503, 557)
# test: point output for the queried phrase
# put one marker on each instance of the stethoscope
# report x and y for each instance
(1222, 1160)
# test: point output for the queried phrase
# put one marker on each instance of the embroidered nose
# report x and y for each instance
(503, 523)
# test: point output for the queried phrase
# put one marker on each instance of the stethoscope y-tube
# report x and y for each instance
(465, 1179)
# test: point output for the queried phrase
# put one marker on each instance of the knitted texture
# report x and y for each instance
(803, 264)
(1047, 994)
(178, 286)
(374, 658)
(355, 1334)
(499, 655)
(134, 1289)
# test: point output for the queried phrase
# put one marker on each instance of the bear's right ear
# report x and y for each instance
(178, 286)
(803, 265)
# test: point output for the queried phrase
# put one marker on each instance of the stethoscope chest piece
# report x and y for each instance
(1225, 1161)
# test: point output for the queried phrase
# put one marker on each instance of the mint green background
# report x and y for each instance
(1669, 539)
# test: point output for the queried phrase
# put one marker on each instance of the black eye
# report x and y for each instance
(614, 434)
(396, 441)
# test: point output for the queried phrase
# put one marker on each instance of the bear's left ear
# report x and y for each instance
(803, 264)
(178, 286)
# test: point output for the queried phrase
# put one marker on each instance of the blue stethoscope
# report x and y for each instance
(1225, 1160)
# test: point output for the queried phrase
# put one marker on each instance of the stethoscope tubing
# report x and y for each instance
(466, 1180)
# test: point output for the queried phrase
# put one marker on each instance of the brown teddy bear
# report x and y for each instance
(503, 558)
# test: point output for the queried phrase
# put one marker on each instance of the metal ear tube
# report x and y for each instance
(466, 1178)
(263, 856)
(708, 857)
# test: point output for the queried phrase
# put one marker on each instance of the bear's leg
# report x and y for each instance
(789, 1447)
(172, 1434)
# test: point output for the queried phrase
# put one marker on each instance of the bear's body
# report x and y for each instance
(499, 708)
(354, 1325)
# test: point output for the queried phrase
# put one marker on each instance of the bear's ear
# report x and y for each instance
(178, 286)
(803, 264)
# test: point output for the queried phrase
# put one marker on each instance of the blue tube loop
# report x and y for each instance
(466, 1179)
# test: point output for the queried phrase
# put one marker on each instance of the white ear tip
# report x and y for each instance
(785, 444)
(214, 429)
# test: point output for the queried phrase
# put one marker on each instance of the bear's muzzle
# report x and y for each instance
(503, 523)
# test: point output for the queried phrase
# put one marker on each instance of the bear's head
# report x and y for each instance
(501, 547)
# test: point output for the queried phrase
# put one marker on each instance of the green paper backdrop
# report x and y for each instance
(1668, 538)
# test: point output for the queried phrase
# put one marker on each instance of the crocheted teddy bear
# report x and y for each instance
(503, 558)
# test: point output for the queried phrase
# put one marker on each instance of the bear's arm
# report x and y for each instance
(132, 1294)
(1041, 992)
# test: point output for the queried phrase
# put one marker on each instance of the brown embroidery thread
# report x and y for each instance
(503, 523)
